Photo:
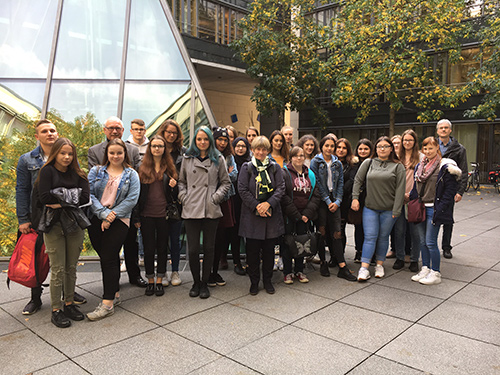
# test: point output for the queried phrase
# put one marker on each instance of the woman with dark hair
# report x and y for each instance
(63, 233)
(364, 150)
(228, 219)
(436, 183)
(329, 174)
(385, 182)
(410, 156)
(172, 133)
(158, 176)
(251, 134)
(310, 146)
(232, 133)
(114, 191)
(261, 187)
(279, 150)
(203, 184)
(300, 205)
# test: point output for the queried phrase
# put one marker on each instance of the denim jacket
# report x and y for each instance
(126, 196)
(233, 176)
(28, 167)
(319, 167)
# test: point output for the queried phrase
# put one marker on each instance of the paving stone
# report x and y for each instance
(24, 352)
(460, 272)
(158, 351)
(292, 350)
(236, 285)
(439, 352)
(480, 296)
(490, 278)
(353, 325)
(223, 366)
(231, 330)
(378, 365)
(470, 321)
(398, 303)
(63, 368)
(496, 267)
(9, 324)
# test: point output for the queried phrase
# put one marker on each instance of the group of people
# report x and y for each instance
(227, 190)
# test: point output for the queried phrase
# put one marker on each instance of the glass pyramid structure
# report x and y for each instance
(122, 58)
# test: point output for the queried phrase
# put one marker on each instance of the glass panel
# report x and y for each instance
(206, 20)
(26, 31)
(75, 99)
(152, 51)
(154, 103)
(28, 92)
(90, 39)
(13, 106)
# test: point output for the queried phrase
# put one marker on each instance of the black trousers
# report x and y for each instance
(108, 244)
(131, 254)
(257, 250)
(194, 227)
(155, 237)
(447, 233)
(332, 223)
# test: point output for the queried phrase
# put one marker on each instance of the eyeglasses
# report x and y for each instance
(113, 128)
(409, 141)
(169, 132)
(383, 147)
(157, 146)
(138, 130)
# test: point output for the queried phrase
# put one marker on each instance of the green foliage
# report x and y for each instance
(84, 132)
(279, 45)
(382, 48)
(487, 77)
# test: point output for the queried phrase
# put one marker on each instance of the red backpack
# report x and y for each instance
(29, 264)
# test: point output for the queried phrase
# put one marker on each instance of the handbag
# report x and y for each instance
(302, 245)
(173, 211)
(416, 209)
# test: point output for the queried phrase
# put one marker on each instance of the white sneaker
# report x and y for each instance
(101, 312)
(164, 281)
(280, 264)
(175, 280)
(363, 274)
(379, 271)
(423, 273)
(123, 267)
(434, 277)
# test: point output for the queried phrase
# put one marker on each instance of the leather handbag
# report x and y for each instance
(173, 212)
(416, 209)
(302, 245)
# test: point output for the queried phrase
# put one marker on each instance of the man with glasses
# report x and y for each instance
(138, 136)
(113, 129)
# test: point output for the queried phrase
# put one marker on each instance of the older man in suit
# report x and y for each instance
(113, 129)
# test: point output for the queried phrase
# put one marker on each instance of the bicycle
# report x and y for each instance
(494, 178)
(473, 179)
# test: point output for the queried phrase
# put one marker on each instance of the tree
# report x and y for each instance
(279, 45)
(487, 78)
(388, 49)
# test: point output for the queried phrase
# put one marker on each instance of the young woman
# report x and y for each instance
(300, 205)
(279, 150)
(158, 185)
(261, 187)
(364, 150)
(385, 184)
(203, 184)
(436, 182)
(172, 133)
(62, 230)
(396, 141)
(232, 133)
(330, 177)
(114, 190)
(251, 134)
(410, 156)
(228, 220)
(310, 146)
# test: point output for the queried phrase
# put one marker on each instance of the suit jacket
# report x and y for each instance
(96, 155)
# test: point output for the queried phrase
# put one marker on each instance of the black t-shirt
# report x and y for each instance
(51, 178)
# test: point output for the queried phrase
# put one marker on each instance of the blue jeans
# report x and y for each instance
(174, 234)
(377, 226)
(426, 236)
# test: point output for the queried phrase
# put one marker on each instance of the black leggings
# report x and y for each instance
(331, 221)
(155, 238)
(257, 250)
(108, 244)
(193, 232)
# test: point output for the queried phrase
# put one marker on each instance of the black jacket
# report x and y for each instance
(349, 174)
(458, 153)
(170, 195)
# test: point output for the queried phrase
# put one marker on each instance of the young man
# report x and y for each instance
(28, 167)
(450, 148)
(137, 136)
(113, 129)
(288, 134)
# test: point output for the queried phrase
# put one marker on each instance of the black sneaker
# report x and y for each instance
(159, 291)
(239, 270)
(150, 289)
(323, 270)
(59, 319)
(414, 266)
(254, 289)
(204, 292)
(344, 273)
(73, 312)
(269, 288)
(211, 280)
(357, 257)
(32, 307)
(195, 290)
(219, 280)
(398, 264)
(447, 254)
(79, 299)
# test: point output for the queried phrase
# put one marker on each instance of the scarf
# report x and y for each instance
(426, 168)
(263, 181)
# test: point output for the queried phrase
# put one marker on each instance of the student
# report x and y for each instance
(251, 134)
(138, 137)
(310, 146)
(203, 183)
(287, 132)
(114, 190)
(158, 176)
(279, 150)
(63, 224)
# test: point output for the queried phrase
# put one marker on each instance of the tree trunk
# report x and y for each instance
(392, 121)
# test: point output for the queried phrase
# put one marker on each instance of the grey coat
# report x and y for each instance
(202, 187)
(96, 155)
(251, 225)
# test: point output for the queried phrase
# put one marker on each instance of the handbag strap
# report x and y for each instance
(421, 191)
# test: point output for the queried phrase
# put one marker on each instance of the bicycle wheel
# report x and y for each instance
(475, 181)
(469, 183)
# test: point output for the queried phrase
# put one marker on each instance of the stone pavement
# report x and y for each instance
(328, 326)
